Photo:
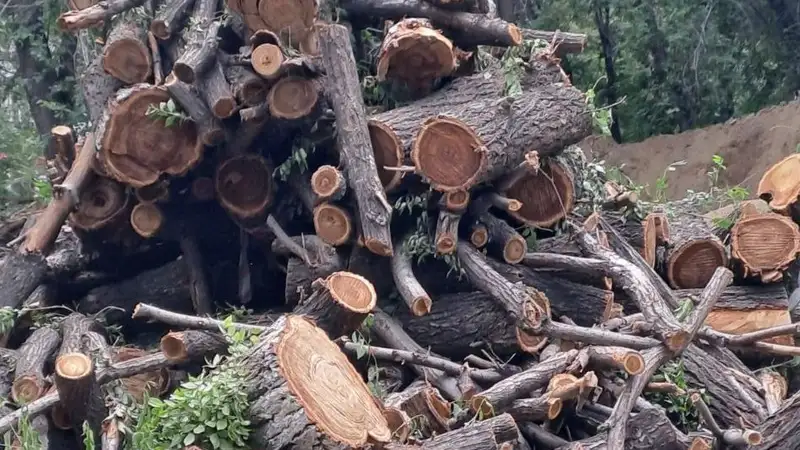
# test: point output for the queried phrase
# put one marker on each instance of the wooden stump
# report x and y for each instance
(779, 185)
(339, 303)
(764, 245)
(79, 391)
(415, 53)
(693, 253)
(306, 394)
(137, 149)
(244, 186)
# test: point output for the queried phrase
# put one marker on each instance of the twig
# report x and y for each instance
(145, 311)
(749, 401)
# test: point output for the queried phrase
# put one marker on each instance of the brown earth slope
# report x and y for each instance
(749, 145)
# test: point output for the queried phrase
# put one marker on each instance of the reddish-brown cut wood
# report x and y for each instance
(294, 98)
(779, 186)
(328, 184)
(102, 204)
(503, 241)
(339, 303)
(423, 403)
(266, 60)
(764, 245)
(334, 225)
(147, 219)
(126, 55)
(79, 392)
(244, 186)
(192, 345)
(693, 253)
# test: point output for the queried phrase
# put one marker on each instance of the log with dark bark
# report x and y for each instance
(446, 238)
(126, 55)
(339, 303)
(217, 92)
(353, 139)
(104, 203)
(147, 219)
(207, 126)
(564, 42)
(201, 43)
(171, 18)
(192, 345)
(324, 260)
(137, 147)
(778, 187)
(423, 403)
(33, 360)
(472, 29)
(249, 88)
(693, 253)
(157, 192)
(474, 114)
(644, 235)
(413, 52)
(298, 379)
(764, 245)
(503, 241)
(95, 15)
(411, 291)
(292, 21)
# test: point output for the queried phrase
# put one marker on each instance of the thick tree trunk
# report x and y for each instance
(245, 188)
(291, 388)
(353, 139)
(764, 245)
(693, 254)
(476, 114)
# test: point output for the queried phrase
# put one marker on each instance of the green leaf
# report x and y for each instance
(189, 439)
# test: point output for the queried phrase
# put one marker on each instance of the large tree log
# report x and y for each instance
(693, 254)
(764, 245)
(103, 203)
(32, 359)
(472, 29)
(779, 187)
(245, 187)
(79, 391)
(306, 394)
(137, 149)
(353, 139)
(293, 21)
(474, 113)
(126, 55)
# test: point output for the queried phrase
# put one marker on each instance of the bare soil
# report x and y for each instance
(748, 144)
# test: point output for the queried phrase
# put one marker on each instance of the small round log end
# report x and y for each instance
(266, 60)
(352, 291)
(74, 366)
(27, 389)
(515, 249)
(292, 98)
(146, 220)
(692, 265)
(326, 180)
(479, 236)
(332, 224)
(421, 306)
(173, 347)
(456, 201)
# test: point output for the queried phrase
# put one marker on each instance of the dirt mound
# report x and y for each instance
(749, 145)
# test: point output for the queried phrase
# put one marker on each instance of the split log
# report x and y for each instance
(473, 29)
(692, 255)
(136, 147)
(171, 18)
(22, 272)
(446, 237)
(779, 187)
(103, 203)
(411, 291)
(775, 390)
(413, 52)
(207, 126)
(550, 193)
(328, 184)
(192, 345)
(79, 391)
(249, 88)
(95, 15)
(266, 60)
(299, 275)
(126, 55)
(201, 43)
(428, 411)
(147, 219)
(764, 245)
(503, 241)
(245, 187)
(353, 140)
(474, 114)
(32, 359)
(217, 92)
(339, 303)
(291, 388)
(167, 286)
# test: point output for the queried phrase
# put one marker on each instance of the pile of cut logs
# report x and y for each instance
(418, 200)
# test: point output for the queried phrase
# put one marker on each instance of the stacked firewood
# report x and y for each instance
(452, 233)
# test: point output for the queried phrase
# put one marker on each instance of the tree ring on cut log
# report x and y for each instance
(354, 292)
(292, 98)
(765, 242)
(173, 348)
(266, 60)
(546, 195)
(515, 250)
(388, 152)
(479, 236)
(146, 219)
(137, 149)
(316, 372)
(456, 200)
(448, 153)
(332, 224)
(326, 181)
(438, 406)
(779, 186)
(693, 264)
(633, 363)
(445, 244)
(101, 203)
(414, 52)
(530, 343)
(73, 366)
(27, 388)
(127, 60)
(244, 185)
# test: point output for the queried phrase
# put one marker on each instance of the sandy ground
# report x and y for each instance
(749, 145)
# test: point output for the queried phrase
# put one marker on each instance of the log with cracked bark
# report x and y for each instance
(33, 357)
(323, 258)
(764, 245)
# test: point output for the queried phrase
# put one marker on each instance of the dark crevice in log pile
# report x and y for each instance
(126, 55)
(291, 388)
(473, 113)
(33, 360)
(198, 282)
(411, 291)
(693, 253)
(245, 188)
(201, 43)
(353, 140)
(475, 29)
(339, 303)
(249, 88)
(299, 275)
